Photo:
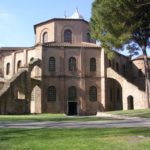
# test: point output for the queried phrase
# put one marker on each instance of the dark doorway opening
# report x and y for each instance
(72, 108)
(130, 102)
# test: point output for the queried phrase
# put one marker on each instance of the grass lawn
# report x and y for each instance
(75, 139)
(144, 113)
(49, 117)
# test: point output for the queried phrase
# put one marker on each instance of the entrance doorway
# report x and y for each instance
(72, 108)
(130, 102)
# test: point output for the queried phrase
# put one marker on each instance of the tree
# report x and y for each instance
(116, 23)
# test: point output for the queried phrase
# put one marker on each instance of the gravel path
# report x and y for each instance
(134, 122)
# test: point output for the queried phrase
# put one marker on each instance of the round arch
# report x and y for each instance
(45, 30)
(114, 96)
(63, 30)
(130, 102)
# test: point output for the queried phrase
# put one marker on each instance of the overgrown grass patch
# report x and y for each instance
(144, 113)
(75, 139)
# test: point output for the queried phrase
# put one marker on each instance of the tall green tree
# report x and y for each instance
(116, 23)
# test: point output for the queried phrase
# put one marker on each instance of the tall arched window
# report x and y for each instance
(51, 64)
(72, 93)
(93, 93)
(72, 64)
(45, 37)
(51, 93)
(68, 36)
(7, 68)
(88, 36)
(92, 64)
(18, 64)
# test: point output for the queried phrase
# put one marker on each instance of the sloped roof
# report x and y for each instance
(83, 44)
(12, 48)
(76, 16)
(140, 57)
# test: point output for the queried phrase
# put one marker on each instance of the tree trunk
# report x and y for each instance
(147, 75)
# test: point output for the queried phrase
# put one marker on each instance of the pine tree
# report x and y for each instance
(118, 22)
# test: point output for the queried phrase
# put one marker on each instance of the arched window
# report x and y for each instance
(92, 64)
(88, 36)
(72, 93)
(68, 36)
(52, 64)
(7, 68)
(18, 64)
(130, 102)
(140, 74)
(51, 93)
(93, 93)
(72, 64)
(45, 37)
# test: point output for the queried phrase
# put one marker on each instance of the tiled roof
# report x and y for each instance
(12, 48)
(58, 19)
(83, 44)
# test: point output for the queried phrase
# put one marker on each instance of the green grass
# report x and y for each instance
(75, 139)
(144, 113)
(50, 117)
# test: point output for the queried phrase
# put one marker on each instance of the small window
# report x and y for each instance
(117, 66)
(88, 37)
(113, 63)
(109, 63)
(140, 72)
(20, 94)
(51, 93)
(7, 68)
(124, 69)
(92, 64)
(68, 36)
(18, 64)
(72, 64)
(72, 93)
(45, 37)
(52, 64)
(111, 95)
(93, 93)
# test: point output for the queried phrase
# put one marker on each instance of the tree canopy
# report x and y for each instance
(118, 22)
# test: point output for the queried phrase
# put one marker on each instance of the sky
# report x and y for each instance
(17, 17)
